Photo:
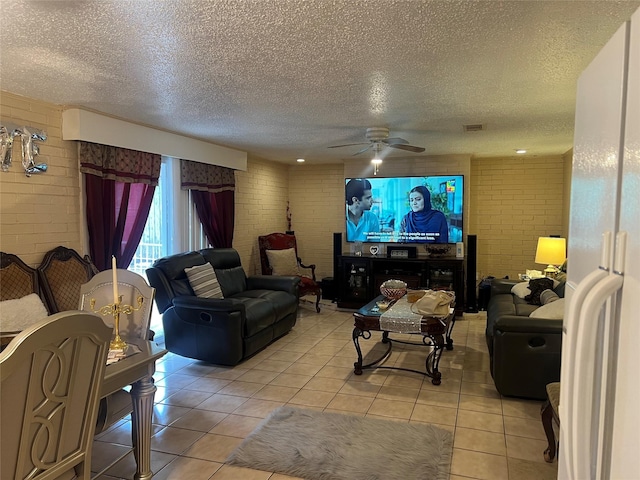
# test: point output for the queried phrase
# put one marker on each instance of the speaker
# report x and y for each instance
(337, 251)
(472, 252)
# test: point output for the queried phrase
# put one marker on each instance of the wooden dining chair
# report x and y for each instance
(136, 324)
(50, 378)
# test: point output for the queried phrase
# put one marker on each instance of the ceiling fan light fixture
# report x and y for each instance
(300, 160)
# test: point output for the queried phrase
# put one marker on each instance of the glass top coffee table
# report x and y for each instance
(435, 333)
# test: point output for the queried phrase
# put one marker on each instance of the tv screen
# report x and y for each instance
(404, 209)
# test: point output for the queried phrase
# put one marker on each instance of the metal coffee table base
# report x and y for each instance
(432, 361)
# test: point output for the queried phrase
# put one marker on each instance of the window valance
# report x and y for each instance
(119, 164)
(206, 178)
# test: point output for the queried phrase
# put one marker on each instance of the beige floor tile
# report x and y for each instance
(434, 414)
(477, 376)
(303, 369)
(208, 384)
(524, 427)
(228, 373)
(212, 447)
(222, 403)
(187, 398)
(275, 393)
(191, 468)
(239, 388)
(236, 426)
(373, 376)
(273, 365)
(315, 357)
(199, 369)
(526, 448)
(174, 440)
(341, 373)
(480, 421)
(528, 470)
(402, 380)
(395, 392)
(177, 380)
(483, 466)
(480, 404)
(230, 472)
(167, 414)
(514, 407)
(391, 408)
(257, 376)
(360, 388)
(438, 398)
(291, 380)
(350, 403)
(449, 385)
(199, 420)
(126, 468)
(479, 389)
(312, 398)
(286, 356)
(325, 384)
(257, 408)
(105, 454)
(480, 441)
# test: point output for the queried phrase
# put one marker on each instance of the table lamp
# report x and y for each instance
(553, 252)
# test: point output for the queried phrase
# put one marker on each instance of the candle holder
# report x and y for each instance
(116, 309)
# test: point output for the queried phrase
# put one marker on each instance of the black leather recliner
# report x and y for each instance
(524, 352)
(255, 310)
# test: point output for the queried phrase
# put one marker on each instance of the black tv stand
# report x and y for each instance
(359, 277)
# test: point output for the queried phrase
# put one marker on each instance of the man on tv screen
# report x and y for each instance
(361, 222)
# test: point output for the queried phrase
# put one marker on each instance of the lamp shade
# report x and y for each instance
(551, 250)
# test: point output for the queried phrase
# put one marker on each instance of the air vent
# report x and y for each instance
(476, 127)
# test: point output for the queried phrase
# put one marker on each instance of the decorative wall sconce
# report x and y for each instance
(28, 136)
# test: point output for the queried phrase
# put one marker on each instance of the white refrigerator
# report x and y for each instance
(600, 378)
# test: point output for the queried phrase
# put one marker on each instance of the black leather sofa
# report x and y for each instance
(255, 310)
(525, 352)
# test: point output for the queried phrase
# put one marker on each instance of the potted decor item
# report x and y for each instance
(393, 289)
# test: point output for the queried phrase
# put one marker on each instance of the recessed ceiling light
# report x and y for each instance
(520, 151)
(300, 160)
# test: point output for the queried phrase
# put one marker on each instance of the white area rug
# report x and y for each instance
(322, 446)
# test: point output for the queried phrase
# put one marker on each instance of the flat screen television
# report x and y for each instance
(405, 209)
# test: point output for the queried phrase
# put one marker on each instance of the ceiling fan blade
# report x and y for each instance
(363, 150)
(396, 141)
(409, 148)
(347, 145)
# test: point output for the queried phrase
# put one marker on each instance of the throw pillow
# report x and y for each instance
(552, 311)
(537, 286)
(203, 281)
(548, 296)
(283, 262)
(522, 289)
(20, 313)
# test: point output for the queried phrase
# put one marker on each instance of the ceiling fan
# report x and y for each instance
(378, 138)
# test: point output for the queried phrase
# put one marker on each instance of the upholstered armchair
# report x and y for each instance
(279, 256)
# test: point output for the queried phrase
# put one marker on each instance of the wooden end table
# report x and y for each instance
(435, 333)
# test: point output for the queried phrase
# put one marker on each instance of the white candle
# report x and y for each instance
(115, 279)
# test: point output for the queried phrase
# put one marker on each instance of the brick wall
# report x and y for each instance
(40, 212)
(261, 203)
(515, 200)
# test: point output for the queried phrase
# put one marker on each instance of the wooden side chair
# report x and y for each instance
(50, 377)
(279, 256)
(61, 273)
(17, 280)
(134, 325)
(549, 414)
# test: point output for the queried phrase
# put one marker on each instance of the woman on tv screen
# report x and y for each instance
(423, 224)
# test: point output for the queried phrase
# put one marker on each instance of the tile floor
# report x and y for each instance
(202, 412)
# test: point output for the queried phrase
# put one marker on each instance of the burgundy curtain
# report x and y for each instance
(120, 184)
(212, 190)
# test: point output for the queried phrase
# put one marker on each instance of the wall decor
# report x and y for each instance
(28, 137)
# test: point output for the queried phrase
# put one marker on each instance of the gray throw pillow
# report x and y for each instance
(548, 296)
(203, 281)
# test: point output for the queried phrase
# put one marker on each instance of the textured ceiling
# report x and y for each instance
(288, 78)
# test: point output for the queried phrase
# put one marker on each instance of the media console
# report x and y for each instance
(359, 277)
